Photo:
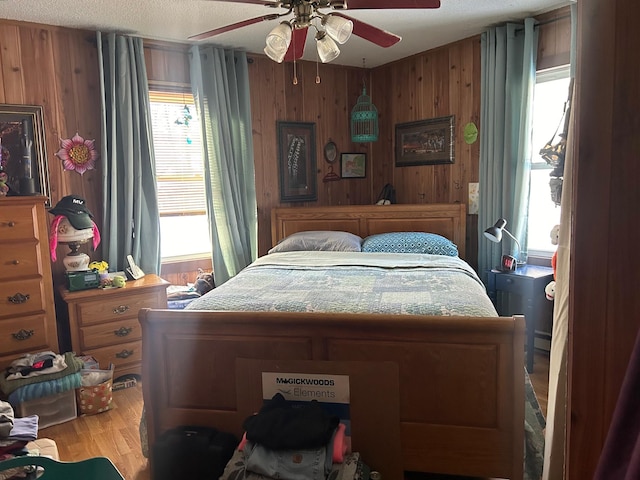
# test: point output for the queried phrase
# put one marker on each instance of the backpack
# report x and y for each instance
(387, 195)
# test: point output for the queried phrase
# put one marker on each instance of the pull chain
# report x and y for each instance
(317, 67)
(295, 70)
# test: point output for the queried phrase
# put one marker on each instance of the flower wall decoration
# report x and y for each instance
(77, 154)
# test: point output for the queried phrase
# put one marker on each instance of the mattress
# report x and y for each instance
(353, 282)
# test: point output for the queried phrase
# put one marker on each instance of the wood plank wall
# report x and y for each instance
(58, 69)
(605, 265)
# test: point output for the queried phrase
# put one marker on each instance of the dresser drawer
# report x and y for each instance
(111, 309)
(18, 223)
(19, 297)
(19, 260)
(24, 334)
(119, 355)
(513, 283)
(110, 333)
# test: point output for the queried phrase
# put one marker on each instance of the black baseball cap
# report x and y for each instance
(76, 211)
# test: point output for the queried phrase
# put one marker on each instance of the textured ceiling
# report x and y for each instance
(176, 20)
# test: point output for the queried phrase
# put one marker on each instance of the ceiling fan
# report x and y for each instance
(286, 41)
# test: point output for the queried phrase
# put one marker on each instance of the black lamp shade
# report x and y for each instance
(495, 233)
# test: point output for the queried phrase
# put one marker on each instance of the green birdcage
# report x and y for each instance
(364, 120)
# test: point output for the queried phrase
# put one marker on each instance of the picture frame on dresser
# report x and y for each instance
(22, 150)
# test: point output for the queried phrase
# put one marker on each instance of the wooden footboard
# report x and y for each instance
(461, 379)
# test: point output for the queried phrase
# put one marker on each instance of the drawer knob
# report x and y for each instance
(122, 331)
(124, 354)
(11, 224)
(23, 334)
(19, 298)
(16, 262)
(119, 310)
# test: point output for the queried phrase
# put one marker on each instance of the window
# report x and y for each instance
(551, 93)
(177, 142)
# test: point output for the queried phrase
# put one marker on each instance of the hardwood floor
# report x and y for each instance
(114, 434)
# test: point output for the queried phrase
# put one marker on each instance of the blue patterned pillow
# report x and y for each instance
(410, 242)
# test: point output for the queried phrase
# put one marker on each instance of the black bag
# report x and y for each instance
(387, 195)
(192, 453)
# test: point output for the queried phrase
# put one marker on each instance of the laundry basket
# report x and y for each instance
(97, 468)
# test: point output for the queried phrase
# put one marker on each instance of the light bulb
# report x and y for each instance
(273, 55)
(327, 48)
(338, 28)
(278, 42)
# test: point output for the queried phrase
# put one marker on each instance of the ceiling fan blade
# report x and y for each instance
(390, 4)
(257, 2)
(233, 26)
(372, 34)
(296, 47)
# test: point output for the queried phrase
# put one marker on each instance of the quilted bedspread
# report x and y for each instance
(415, 284)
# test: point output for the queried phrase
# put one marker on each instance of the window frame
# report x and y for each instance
(178, 95)
(536, 256)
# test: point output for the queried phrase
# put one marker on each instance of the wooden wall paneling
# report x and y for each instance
(589, 297)
(442, 108)
(167, 64)
(296, 94)
(554, 38)
(12, 73)
(268, 82)
(355, 191)
(263, 76)
(382, 153)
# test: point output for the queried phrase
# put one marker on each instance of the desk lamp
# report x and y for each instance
(495, 235)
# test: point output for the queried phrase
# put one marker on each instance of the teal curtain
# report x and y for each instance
(508, 70)
(220, 84)
(131, 222)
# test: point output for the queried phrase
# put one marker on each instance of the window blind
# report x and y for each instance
(177, 143)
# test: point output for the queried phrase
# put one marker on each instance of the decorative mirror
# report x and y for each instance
(330, 151)
(331, 155)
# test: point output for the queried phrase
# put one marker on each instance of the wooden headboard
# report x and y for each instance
(446, 219)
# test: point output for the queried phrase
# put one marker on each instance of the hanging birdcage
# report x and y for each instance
(364, 120)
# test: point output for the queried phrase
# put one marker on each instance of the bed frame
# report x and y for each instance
(459, 384)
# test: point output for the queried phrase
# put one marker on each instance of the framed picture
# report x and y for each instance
(353, 165)
(297, 161)
(425, 142)
(22, 150)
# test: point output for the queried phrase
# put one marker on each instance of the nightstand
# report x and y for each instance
(104, 322)
(522, 292)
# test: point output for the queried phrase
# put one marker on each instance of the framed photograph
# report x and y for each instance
(297, 161)
(425, 142)
(22, 150)
(353, 165)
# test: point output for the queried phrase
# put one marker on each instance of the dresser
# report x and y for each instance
(103, 323)
(27, 316)
(521, 292)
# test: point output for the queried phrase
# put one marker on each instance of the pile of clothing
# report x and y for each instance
(294, 442)
(38, 375)
(15, 433)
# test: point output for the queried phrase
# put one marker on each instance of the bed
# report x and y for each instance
(459, 368)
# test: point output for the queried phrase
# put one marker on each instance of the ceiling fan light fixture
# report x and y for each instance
(274, 55)
(327, 48)
(278, 40)
(338, 28)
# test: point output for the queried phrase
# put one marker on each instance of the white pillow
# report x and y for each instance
(322, 240)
